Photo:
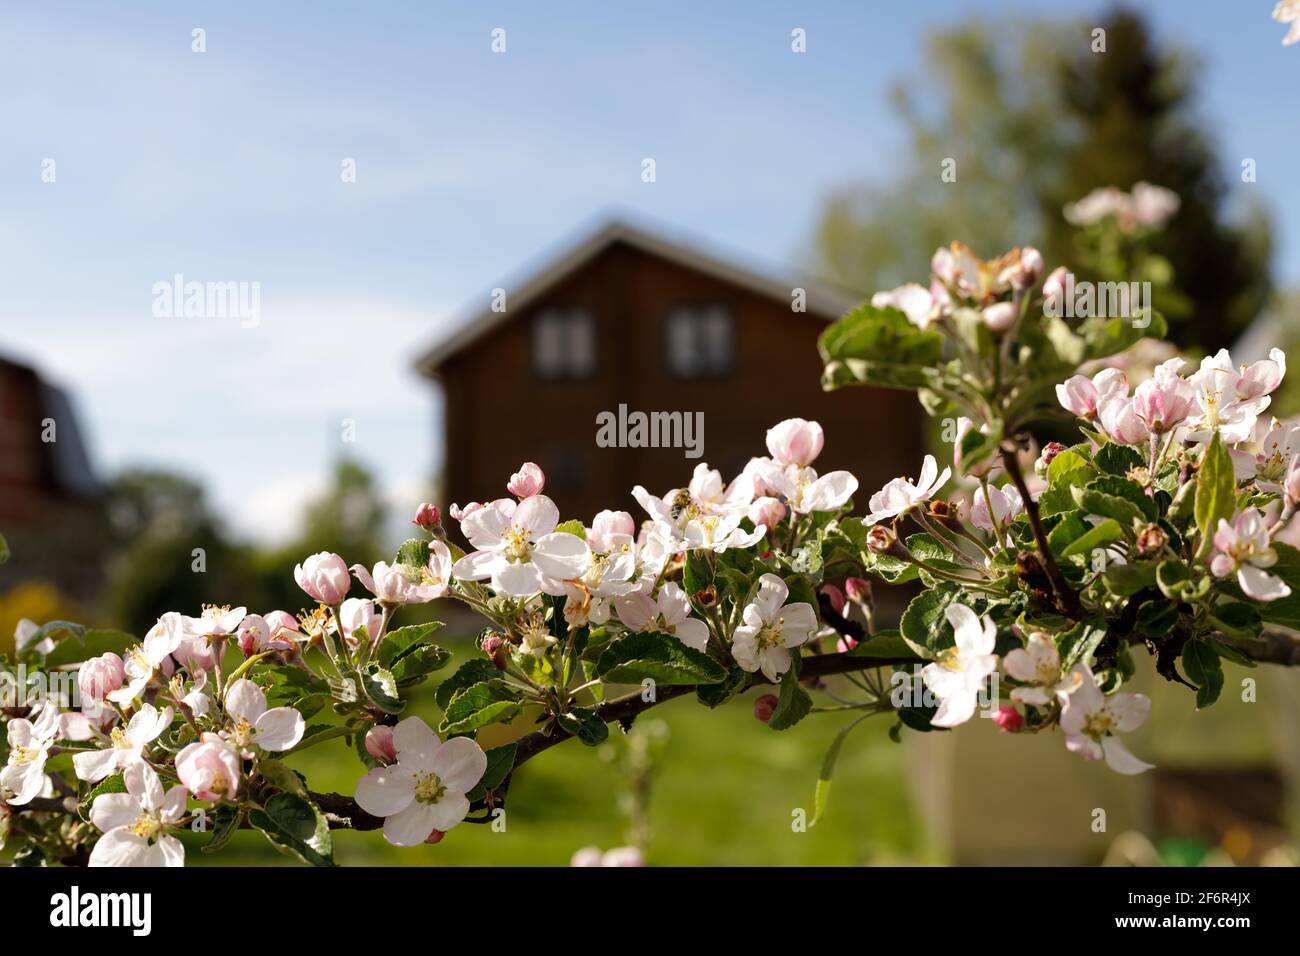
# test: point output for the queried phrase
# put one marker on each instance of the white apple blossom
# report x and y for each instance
(522, 553)
(1090, 721)
(25, 632)
(23, 777)
(1038, 666)
(915, 301)
(900, 496)
(126, 745)
(1243, 547)
(143, 661)
(805, 492)
(1288, 11)
(958, 675)
(398, 584)
(137, 824)
(1007, 504)
(772, 629)
(253, 725)
(425, 789)
(670, 613)
(1265, 458)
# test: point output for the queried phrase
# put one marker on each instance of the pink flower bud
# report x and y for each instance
(858, 590)
(845, 644)
(795, 442)
(1009, 719)
(435, 836)
(835, 595)
(1000, 316)
(880, 539)
(428, 517)
(1292, 485)
(324, 576)
(1050, 451)
(1054, 290)
(527, 481)
(765, 707)
(766, 511)
(496, 648)
(99, 676)
(379, 744)
(1030, 268)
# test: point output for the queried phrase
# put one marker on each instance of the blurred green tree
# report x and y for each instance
(1033, 119)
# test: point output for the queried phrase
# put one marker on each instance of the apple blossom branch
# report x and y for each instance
(342, 811)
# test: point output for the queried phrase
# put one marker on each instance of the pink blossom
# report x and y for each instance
(100, 675)
(396, 584)
(209, 768)
(610, 529)
(1091, 720)
(765, 706)
(527, 481)
(1164, 401)
(795, 442)
(428, 517)
(1000, 317)
(857, 590)
(1009, 719)
(379, 744)
(270, 633)
(324, 576)
(1120, 421)
(1244, 547)
(766, 511)
(835, 595)
(357, 613)
(1082, 395)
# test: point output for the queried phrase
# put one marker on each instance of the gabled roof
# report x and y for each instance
(821, 300)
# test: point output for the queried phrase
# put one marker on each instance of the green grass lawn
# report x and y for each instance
(723, 794)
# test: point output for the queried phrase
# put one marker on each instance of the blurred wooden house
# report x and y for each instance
(51, 503)
(627, 317)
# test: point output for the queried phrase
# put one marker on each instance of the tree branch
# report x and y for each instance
(1067, 599)
(343, 813)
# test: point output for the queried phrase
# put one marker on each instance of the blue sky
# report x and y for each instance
(225, 166)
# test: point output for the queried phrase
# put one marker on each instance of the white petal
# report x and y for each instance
(772, 592)
(537, 515)
(693, 633)
(1129, 710)
(412, 825)
(1119, 759)
(478, 565)
(460, 764)
(385, 791)
(94, 765)
(450, 810)
(245, 700)
(518, 580)
(415, 743)
(280, 728)
(121, 847)
(561, 555)
(1261, 585)
(113, 810)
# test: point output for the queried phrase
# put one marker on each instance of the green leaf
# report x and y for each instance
(421, 662)
(874, 346)
(924, 626)
(1078, 644)
(793, 703)
(75, 649)
(398, 643)
(1128, 579)
(1216, 492)
(1104, 337)
(885, 644)
(696, 573)
(477, 706)
(585, 724)
(1117, 459)
(1104, 505)
(500, 761)
(573, 527)
(823, 790)
(295, 826)
(659, 657)
(226, 819)
(279, 775)
(1070, 528)
(413, 553)
(1098, 537)
(977, 447)
(381, 687)
(1059, 495)
(473, 671)
(1203, 669)
(1237, 619)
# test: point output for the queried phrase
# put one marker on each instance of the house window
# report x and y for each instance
(700, 341)
(564, 344)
